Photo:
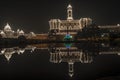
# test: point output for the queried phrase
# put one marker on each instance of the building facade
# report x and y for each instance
(69, 25)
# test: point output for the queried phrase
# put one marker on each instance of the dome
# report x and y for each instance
(21, 32)
(7, 27)
(2, 33)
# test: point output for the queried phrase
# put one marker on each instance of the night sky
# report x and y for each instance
(34, 15)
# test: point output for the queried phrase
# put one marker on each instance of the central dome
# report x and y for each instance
(7, 28)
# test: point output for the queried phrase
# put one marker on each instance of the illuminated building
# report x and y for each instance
(7, 32)
(70, 25)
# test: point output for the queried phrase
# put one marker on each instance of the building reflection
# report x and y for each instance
(8, 52)
(67, 52)
(69, 55)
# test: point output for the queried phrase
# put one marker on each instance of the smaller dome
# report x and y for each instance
(21, 32)
(2, 33)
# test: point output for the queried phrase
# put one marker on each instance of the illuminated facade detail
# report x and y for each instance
(110, 29)
(69, 25)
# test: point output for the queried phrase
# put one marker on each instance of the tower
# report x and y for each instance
(69, 12)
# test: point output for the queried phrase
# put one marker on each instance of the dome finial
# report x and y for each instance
(69, 6)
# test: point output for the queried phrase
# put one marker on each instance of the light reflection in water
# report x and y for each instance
(60, 53)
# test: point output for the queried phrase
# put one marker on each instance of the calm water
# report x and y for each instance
(65, 61)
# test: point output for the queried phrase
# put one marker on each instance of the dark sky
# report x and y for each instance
(34, 15)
